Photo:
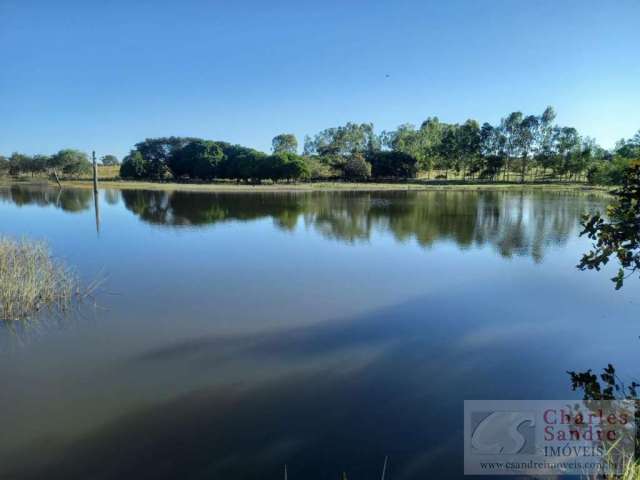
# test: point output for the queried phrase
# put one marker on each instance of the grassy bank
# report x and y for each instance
(334, 186)
(109, 179)
(309, 187)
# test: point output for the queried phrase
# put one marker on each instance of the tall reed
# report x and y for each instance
(31, 280)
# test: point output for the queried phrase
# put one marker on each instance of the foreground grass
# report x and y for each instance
(631, 472)
(31, 280)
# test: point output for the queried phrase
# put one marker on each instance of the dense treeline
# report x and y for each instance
(194, 158)
(520, 148)
(68, 162)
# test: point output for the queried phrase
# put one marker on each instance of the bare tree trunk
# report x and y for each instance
(55, 174)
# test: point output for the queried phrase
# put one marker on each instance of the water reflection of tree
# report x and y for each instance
(112, 196)
(515, 223)
(69, 200)
(197, 209)
(345, 217)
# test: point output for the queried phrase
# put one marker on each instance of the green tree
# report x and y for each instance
(284, 143)
(510, 127)
(157, 151)
(618, 236)
(393, 164)
(492, 149)
(421, 144)
(337, 147)
(566, 140)
(608, 171)
(629, 148)
(468, 146)
(197, 159)
(431, 132)
(133, 166)
(19, 163)
(527, 133)
(272, 167)
(545, 152)
(582, 158)
(241, 163)
(406, 140)
(38, 164)
(345, 140)
(70, 162)
(448, 150)
(294, 167)
(317, 168)
(357, 168)
(75, 163)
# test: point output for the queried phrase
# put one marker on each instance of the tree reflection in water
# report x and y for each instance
(514, 222)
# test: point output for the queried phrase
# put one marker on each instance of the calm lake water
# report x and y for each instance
(236, 333)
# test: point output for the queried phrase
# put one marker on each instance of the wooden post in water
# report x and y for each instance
(384, 467)
(95, 191)
(95, 173)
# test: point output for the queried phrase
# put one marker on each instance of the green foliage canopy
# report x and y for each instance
(285, 143)
(618, 236)
(393, 164)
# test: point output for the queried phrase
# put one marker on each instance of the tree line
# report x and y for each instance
(195, 158)
(68, 162)
(520, 148)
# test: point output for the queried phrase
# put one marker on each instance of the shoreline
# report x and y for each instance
(416, 185)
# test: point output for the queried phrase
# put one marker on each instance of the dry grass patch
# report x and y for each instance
(31, 280)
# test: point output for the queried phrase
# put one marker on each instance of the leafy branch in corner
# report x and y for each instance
(620, 236)
(607, 387)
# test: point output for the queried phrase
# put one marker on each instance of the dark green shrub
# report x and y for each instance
(393, 164)
(198, 159)
(133, 166)
(357, 168)
(608, 172)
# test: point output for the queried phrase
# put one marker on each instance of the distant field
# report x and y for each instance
(109, 172)
(109, 175)
(435, 177)
(333, 186)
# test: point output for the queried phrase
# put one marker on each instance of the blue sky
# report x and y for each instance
(104, 74)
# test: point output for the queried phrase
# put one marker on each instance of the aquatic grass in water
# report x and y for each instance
(31, 280)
